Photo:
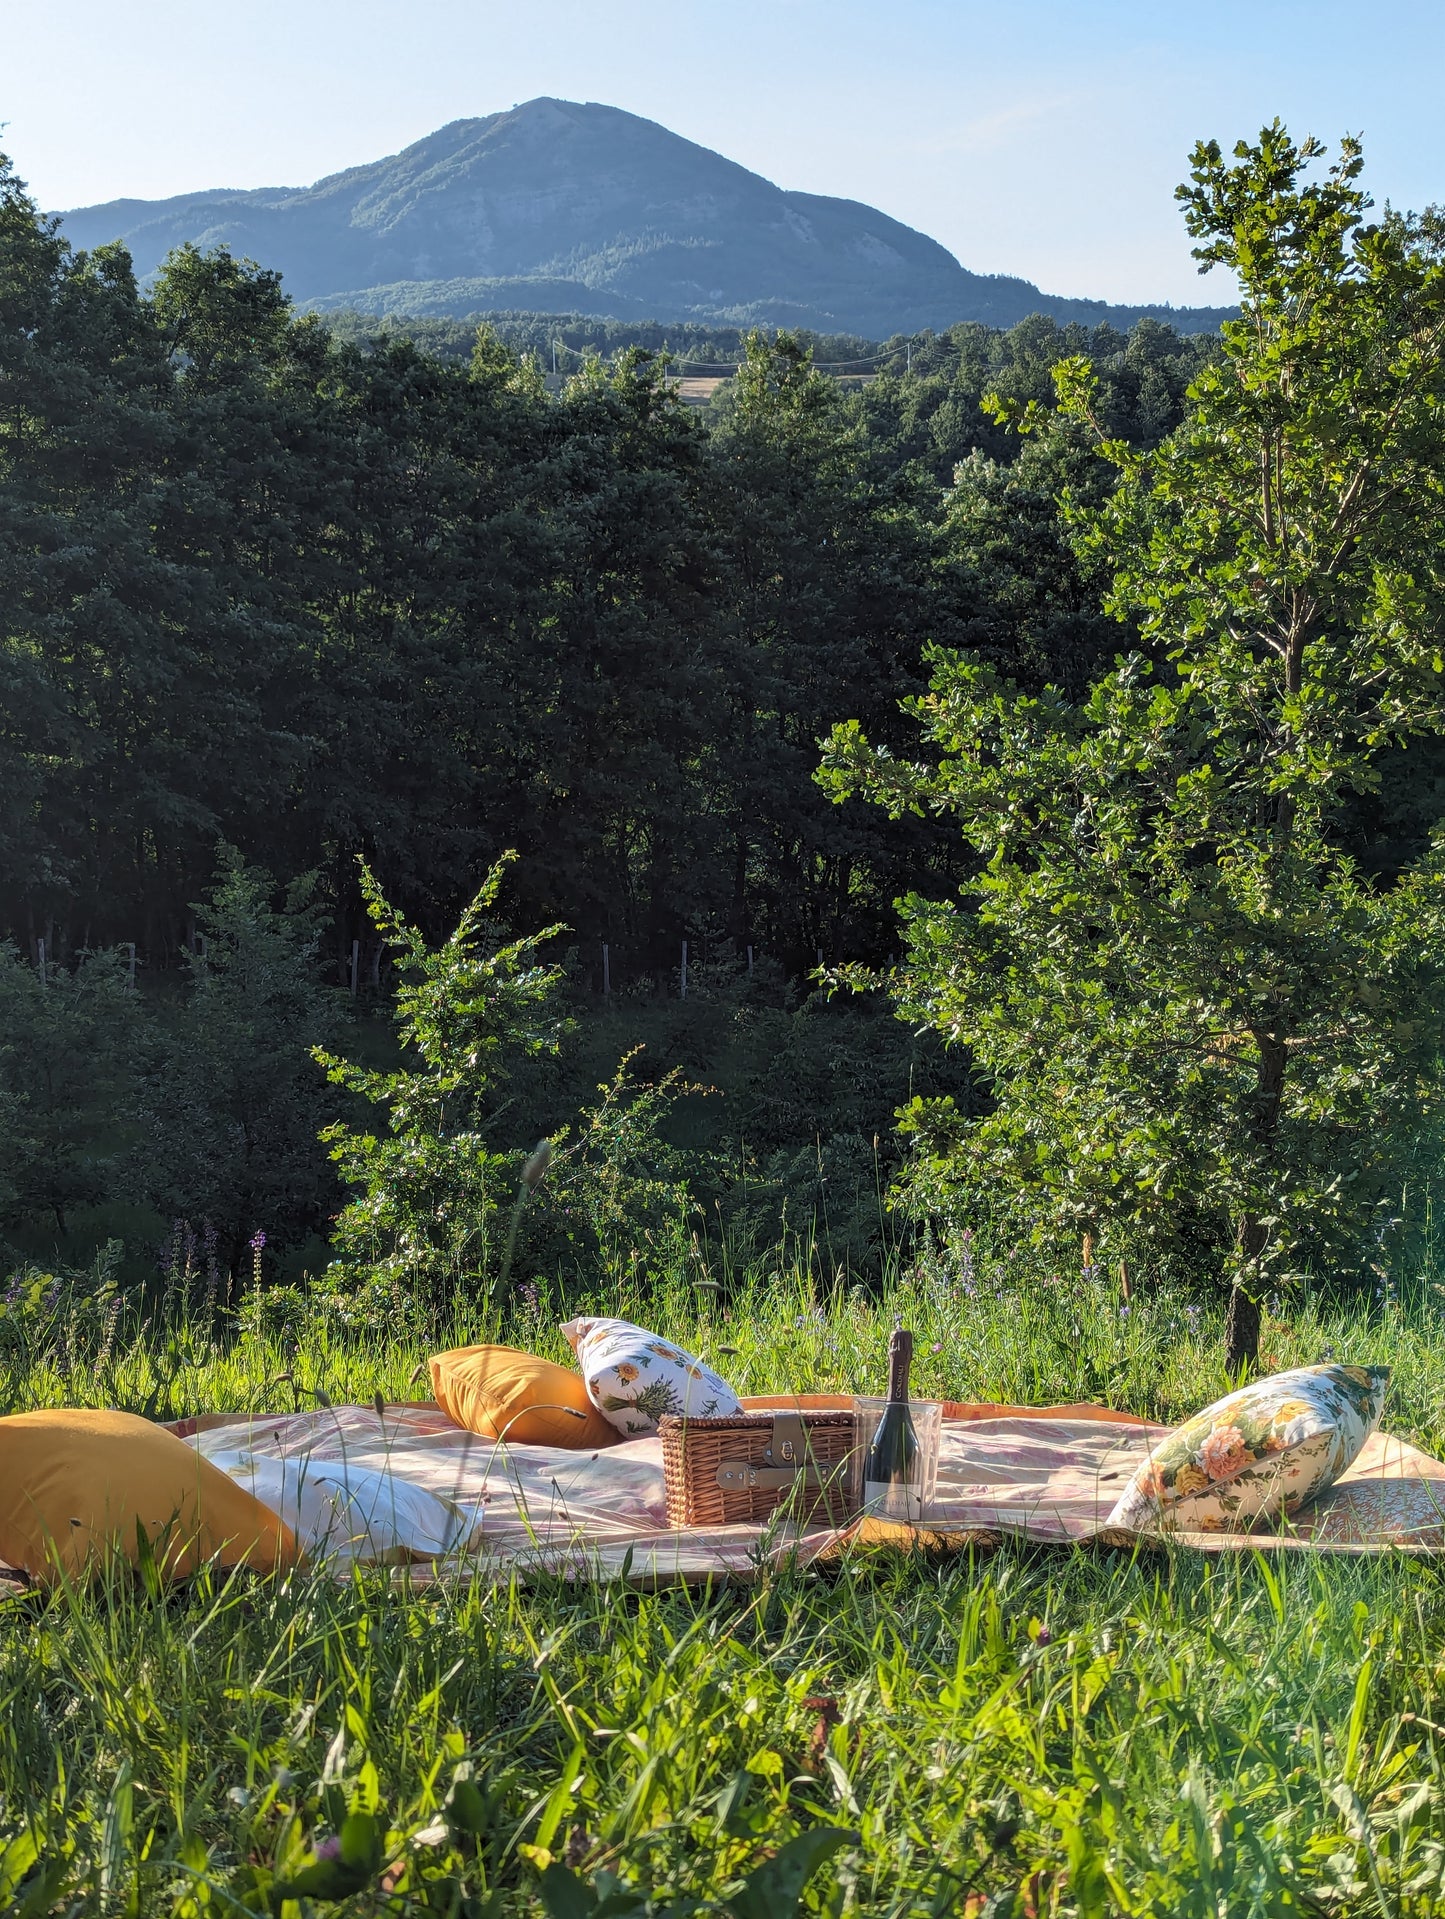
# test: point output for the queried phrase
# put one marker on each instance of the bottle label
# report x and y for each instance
(894, 1499)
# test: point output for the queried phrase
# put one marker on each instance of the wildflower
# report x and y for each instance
(258, 1243)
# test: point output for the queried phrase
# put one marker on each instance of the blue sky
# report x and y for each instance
(1039, 137)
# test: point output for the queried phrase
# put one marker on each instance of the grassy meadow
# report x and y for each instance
(1036, 1732)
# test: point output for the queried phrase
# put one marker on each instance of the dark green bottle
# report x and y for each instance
(893, 1473)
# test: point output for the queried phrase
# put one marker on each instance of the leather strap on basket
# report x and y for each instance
(787, 1461)
(737, 1475)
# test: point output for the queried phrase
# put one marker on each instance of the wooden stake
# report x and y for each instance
(355, 963)
(606, 971)
(683, 994)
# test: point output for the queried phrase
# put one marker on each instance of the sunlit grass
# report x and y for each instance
(1051, 1732)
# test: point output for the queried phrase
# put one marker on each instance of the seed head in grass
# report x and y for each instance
(535, 1166)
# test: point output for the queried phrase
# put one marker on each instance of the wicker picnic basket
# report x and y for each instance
(740, 1470)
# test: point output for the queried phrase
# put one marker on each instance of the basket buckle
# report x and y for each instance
(789, 1443)
(787, 1461)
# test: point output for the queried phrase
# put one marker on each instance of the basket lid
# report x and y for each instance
(750, 1422)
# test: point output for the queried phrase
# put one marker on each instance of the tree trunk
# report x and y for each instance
(1241, 1330)
(1241, 1326)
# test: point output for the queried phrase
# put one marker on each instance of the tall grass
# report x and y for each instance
(1038, 1732)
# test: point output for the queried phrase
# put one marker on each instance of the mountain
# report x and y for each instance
(557, 207)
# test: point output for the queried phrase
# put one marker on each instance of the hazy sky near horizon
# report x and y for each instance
(1037, 137)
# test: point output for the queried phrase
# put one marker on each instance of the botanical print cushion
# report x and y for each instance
(1266, 1449)
(633, 1377)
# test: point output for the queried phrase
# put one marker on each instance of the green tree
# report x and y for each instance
(1010, 587)
(232, 1102)
(433, 1185)
(67, 1060)
(822, 594)
(1200, 1023)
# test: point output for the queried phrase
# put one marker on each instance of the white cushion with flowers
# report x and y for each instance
(633, 1377)
(1264, 1450)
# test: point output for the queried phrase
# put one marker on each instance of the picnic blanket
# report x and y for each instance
(1045, 1474)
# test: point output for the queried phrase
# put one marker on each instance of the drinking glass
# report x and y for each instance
(927, 1417)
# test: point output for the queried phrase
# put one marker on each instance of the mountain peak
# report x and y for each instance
(559, 205)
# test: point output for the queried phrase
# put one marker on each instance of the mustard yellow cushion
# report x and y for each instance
(75, 1482)
(504, 1394)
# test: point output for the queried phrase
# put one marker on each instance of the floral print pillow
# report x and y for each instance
(633, 1377)
(1266, 1449)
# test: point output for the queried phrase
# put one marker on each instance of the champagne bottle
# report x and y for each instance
(893, 1473)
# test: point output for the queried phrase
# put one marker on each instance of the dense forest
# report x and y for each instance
(280, 596)
(313, 599)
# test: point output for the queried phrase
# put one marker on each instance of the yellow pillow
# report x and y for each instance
(504, 1394)
(107, 1471)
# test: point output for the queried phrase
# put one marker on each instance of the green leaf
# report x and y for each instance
(565, 1895)
(336, 1873)
(774, 1889)
(467, 1808)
